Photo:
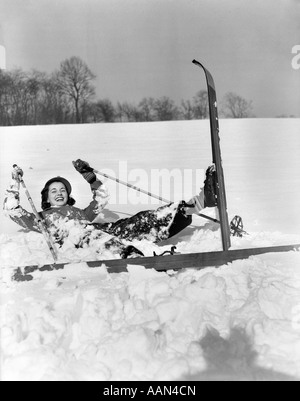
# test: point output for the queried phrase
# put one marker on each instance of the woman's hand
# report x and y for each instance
(85, 170)
(17, 173)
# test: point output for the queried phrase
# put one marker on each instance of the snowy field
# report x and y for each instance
(238, 322)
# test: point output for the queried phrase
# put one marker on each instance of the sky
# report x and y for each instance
(143, 48)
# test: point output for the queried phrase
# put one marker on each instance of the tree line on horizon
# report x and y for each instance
(67, 96)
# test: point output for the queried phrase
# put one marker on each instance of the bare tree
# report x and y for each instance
(187, 110)
(17, 97)
(127, 112)
(147, 109)
(5, 85)
(18, 91)
(200, 105)
(234, 106)
(165, 109)
(74, 81)
(55, 109)
(34, 83)
(103, 111)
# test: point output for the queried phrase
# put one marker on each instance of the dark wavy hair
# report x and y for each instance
(45, 204)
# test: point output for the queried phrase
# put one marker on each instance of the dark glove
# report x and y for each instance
(85, 170)
(17, 173)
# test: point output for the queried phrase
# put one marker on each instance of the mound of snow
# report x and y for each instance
(237, 322)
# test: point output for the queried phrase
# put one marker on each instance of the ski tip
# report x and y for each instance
(197, 63)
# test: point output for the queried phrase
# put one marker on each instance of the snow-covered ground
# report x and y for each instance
(239, 322)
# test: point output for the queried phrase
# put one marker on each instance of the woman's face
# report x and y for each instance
(57, 194)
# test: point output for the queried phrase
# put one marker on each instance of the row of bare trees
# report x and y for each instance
(68, 96)
(38, 98)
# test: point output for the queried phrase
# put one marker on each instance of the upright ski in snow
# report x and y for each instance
(217, 160)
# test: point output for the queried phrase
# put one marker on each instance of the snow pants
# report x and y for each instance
(153, 225)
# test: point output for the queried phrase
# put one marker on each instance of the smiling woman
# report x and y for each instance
(57, 193)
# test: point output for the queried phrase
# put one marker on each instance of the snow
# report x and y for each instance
(238, 322)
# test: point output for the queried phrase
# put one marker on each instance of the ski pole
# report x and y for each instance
(234, 226)
(149, 193)
(40, 221)
(132, 186)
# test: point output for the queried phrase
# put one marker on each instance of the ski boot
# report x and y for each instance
(210, 187)
(207, 196)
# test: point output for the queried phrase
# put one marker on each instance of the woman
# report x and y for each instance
(58, 209)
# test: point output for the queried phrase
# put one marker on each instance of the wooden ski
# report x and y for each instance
(217, 160)
(162, 263)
